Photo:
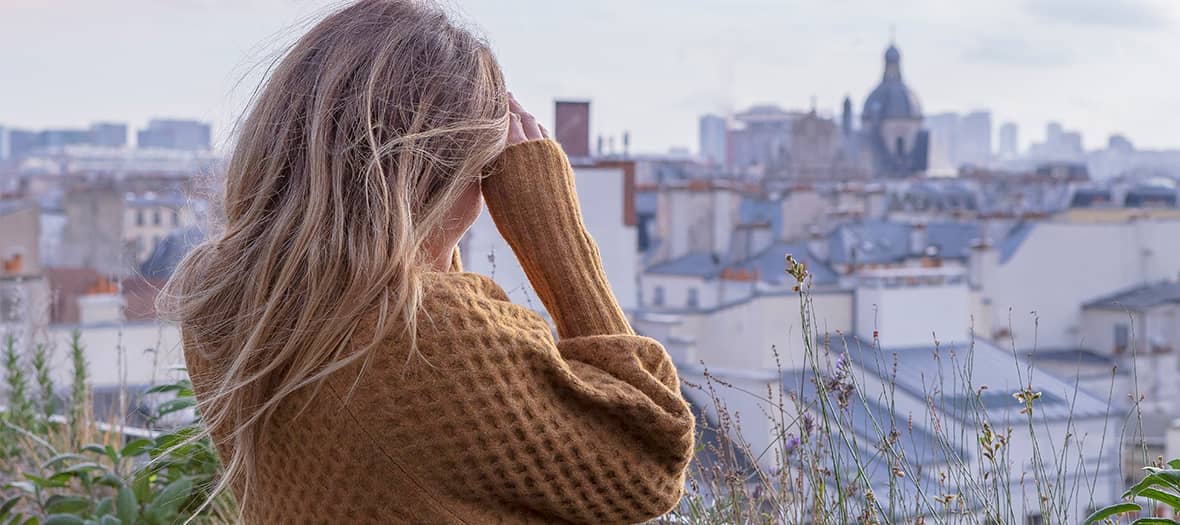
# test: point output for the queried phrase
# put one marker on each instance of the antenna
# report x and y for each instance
(892, 34)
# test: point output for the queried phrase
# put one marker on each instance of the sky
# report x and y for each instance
(650, 67)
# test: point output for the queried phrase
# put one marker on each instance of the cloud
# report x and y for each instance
(1129, 14)
(1017, 51)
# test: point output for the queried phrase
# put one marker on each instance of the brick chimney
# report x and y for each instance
(571, 127)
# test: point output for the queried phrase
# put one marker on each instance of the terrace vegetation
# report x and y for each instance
(835, 460)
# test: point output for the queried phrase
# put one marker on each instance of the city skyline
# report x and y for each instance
(1092, 66)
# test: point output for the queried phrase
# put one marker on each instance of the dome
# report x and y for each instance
(891, 99)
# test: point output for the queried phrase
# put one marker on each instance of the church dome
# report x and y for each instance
(891, 99)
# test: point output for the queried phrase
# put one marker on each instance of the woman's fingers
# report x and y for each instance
(516, 132)
(531, 129)
(544, 132)
(528, 123)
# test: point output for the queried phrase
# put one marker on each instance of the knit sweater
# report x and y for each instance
(505, 423)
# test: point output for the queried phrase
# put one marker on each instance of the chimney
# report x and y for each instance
(626, 144)
(572, 127)
(918, 240)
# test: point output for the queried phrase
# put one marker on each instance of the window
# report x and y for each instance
(175, 218)
(139, 217)
(693, 301)
(1122, 337)
(156, 217)
(657, 296)
(900, 147)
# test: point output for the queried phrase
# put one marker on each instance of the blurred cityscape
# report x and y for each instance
(922, 233)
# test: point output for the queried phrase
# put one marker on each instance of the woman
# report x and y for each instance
(348, 370)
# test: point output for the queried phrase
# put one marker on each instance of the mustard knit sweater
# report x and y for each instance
(505, 424)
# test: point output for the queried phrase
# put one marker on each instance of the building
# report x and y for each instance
(175, 134)
(944, 136)
(1060, 145)
(975, 139)
(18, 144)
(148, 218)
(713, 136)
(108, 134)
(1009, 146)
(760, 141)
(24, 294)
(892, 124)
(957, 141)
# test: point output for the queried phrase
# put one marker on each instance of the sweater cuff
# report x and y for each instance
(531, 197)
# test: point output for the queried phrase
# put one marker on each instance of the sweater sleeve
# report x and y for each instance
(531, 197)
(588, 429)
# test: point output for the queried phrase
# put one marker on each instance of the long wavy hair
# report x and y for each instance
(355, 149)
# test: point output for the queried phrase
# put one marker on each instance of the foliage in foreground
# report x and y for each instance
(1159, 487)
(72, 470)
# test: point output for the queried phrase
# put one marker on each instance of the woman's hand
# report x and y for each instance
(523, 126)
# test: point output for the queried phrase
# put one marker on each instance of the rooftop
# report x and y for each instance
(1138, 298)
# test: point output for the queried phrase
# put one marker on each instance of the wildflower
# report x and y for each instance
(792, 444)
(1026, 396)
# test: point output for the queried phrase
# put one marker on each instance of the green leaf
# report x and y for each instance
(59, 504)
(105, 507)
(1175, 463)
(110, 480)
(126, 506)
(159, 389)
(95, 448)
(173, 495)
(137, 447)
(52, 462)
(1169, 479)
(1163, 497)
(62, 519)
(1111, 510)
(9, 505)
(175, 405)
(110, 520)
(142, 485)
(81, 468)
(1154, 521)
(22, 485)
(53, 481)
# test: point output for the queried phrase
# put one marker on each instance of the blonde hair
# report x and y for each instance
(356, 148)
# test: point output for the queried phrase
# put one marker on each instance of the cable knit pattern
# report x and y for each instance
(500, 423)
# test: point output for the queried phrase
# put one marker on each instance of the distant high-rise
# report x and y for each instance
(713, 137)
(944, 140)
(108, 134)
(975, 138)
(175, 134)
(1009, 140)
(1059, 145)
(571, 127)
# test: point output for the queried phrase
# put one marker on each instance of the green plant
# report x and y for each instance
(120, 476)
(1160, 485)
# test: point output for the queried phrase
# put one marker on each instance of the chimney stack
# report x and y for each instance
(572, 127)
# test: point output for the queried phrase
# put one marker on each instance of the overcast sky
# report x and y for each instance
(649, 66)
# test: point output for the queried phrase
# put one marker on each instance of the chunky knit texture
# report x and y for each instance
(501, 423)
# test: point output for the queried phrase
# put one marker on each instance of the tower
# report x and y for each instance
(892, 121)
